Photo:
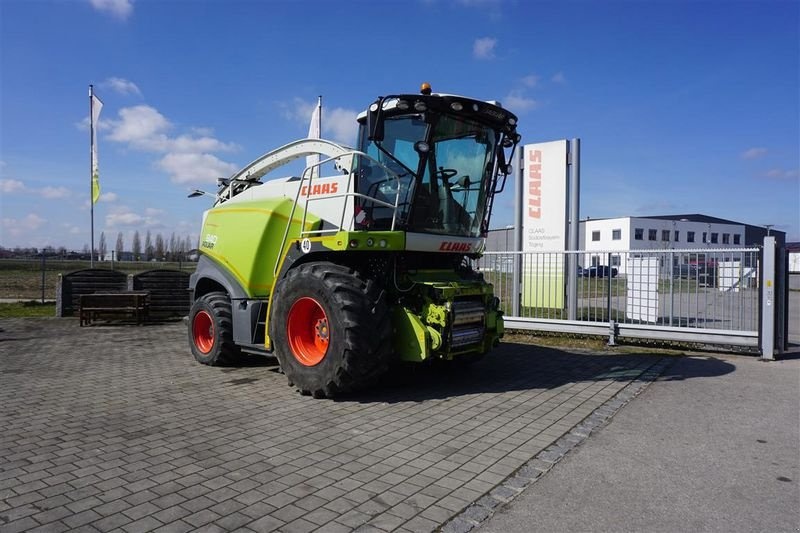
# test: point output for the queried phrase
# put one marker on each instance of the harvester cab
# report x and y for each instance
(338, 276)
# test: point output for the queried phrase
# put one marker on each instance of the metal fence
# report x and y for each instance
(697, 295)
(36, 278)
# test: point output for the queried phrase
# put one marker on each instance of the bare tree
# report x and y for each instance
(120, 247)
(137, 246)
(148, 247)
(173, 247)
(101, 247)
(159, 251)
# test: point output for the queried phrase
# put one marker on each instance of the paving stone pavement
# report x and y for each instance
(117, 428)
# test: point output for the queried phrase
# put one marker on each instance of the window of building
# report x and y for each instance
(616, 234)
(595, 235)
(652, 234)
(638, 234)
(714, 237)
(705, 237)
(726, 238)
(689, 236)
(615, 260)
(665, 235)
(595, 260)
(677, 235)
(737, 239)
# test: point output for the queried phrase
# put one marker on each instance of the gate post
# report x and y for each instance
(518, 217)
(767, 332)
(573, 215)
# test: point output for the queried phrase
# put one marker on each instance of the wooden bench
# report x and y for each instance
(128, 304)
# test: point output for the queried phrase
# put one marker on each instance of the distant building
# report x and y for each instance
(671, 231)
(667, 232)
(793, 248)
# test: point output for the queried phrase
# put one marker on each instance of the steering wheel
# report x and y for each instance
(446, 173)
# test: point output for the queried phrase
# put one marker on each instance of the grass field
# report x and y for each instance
(22, 279)
(27, 309)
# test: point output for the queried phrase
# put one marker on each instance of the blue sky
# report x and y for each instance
(682, 107)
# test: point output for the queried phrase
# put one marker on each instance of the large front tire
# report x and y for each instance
(330, 328)
(211, 330)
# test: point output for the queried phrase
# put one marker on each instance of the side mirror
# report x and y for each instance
(374, 123)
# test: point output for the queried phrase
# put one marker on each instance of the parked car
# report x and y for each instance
(684, 271)
(599, 272)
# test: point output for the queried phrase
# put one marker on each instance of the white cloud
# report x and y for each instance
(781, 174)
(186, 143)
(195, 168)
(142, 126)
(338, 123)
(753, 153)
(121, 86)
(127, 218)
(16, 227)
(558, 77)
(11, 186)
(109, 197)
(188, 158)
(483, 48)
(299, 110)
(120, 217)
(52, 193)
(120, 9)
(153, 212)
(517, 102)
(342, 124)
(530, 81)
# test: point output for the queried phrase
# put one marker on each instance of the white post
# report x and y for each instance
(767, 332)
(518, 210)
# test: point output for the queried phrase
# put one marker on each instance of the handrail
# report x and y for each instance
(309, 172)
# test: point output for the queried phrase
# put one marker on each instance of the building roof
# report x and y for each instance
(694, 217)
(697, 217)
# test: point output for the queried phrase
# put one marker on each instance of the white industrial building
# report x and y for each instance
(603, 236)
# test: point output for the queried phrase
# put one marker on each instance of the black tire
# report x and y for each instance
(211, 330)
(341, 329)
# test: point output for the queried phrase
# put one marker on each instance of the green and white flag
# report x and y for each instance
(97, 105)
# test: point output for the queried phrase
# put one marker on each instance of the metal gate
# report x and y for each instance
(721, 296)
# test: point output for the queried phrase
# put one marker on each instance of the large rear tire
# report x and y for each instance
(211, 330)
(330, 328)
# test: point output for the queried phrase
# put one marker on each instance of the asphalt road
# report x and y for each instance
(713, 445)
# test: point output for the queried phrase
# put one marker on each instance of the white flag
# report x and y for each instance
(97, 105)
(314, 133)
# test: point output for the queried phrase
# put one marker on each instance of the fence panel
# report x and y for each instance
(697, 295)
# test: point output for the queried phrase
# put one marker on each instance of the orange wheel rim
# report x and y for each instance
(308, 331)
(203, 331)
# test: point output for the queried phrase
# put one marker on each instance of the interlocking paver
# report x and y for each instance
(129, 432)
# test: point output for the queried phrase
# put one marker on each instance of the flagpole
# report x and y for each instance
(91, 172)
(317, 170)
(319, 115)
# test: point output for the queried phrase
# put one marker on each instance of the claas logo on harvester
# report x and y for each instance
(319, 188)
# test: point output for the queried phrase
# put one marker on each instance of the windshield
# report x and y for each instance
(442, 190)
